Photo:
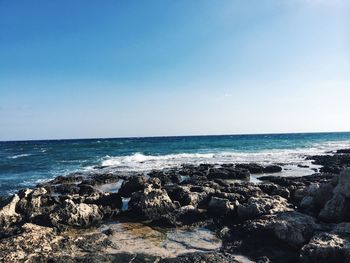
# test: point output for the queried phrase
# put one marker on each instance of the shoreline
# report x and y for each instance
(281, 219)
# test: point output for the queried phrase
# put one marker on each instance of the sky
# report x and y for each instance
(93, 69)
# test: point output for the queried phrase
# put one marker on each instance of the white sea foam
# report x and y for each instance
(139, 162)
(19, 156)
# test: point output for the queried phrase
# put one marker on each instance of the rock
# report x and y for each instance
(65, 188)
(272, 169)
(274, 189)
(334, 169)
(33, 240)
(342, 229)
(344, 151)
(77, 215)
(213, 257)
(186, 195)
(112, 200)
(293, 228)
(228, 173)
(326, 248)
(133, 184)
(253, 168)
(257, 206)
(343, 186)
(108, 178)
(35, 205)
(336, 210)
(317, 195)
(9, 218)
(86, 189)
(308, 204)
(332, 163)
(220, 206)
(151, 204)
(167, 177)
(73, 178)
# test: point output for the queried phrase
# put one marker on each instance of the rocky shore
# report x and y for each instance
(203, 213)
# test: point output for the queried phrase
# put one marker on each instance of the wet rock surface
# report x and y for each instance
(192, 213)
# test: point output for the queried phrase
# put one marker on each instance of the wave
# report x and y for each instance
(19, 156)
(140, 162)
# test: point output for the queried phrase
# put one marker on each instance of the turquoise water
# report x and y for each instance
(25, 163)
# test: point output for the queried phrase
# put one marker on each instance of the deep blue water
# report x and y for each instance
(24, 163)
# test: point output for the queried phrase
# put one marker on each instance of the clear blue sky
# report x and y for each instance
(72, 69)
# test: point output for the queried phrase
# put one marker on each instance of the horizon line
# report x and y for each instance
(171, 136)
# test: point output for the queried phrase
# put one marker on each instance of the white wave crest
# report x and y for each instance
(140, 162)
(19, 156)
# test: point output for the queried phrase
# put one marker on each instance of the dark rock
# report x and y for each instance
(98, 179)
(220, 206)
(151, 204)
(78, 215)
(337, 209)
(9, 218)
(274, 189)
(186, 195)
(228, 173)
(272, 169)
(65, 189)
(69, 179)
(168, 177)
(35, 205)
(112, 200)
(133, 184)
(86, 189)
(330, 169)
(344, 151)
(257, 206)
(326, 248)
(293, 228)
(213, 257)
(253, 168)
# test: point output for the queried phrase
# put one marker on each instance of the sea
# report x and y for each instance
(23, 164)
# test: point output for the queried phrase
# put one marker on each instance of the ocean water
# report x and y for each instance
(26, 163)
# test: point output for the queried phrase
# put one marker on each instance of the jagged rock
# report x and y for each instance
(201, 257)
(337, 209)
(316, 197)
(86, 189)
(112, 200)
(187, 195)
(167, 177)
(344, 151)
(253, 168)
(220, 206)
(133, 184)
(274, 189)
(33, 240)
(73, 178)
(257, 206)
(272, 169)
(151, 203)
(78, 215)
(228, 173)
(35, 205)
(293, 228)
(326, 248)
(9, 218)
(343, 186)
